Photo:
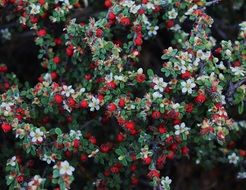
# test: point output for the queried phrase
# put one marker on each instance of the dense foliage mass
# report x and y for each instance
(97, 119)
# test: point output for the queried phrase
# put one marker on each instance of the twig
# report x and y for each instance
(202, 68)
(212, 2)
(231, 90)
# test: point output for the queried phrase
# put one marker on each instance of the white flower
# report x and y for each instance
(128, 3)
(187, 86)
(63, 1)
(66, 107)
(82, 90)
(241, 175)
(119, 78)
(109, 77)
(140, 71)
(176, 27)
(94, 104)
(47, 77)
(175, 106)
(221, 76)
(67, 90)
(35, 9)
(145, 19)
(228, 52)
(190, 10)
(221, 66)
(75, 134)
(35, 182)
(150, 5)
(48, 159)
(6, 108)
(233, 158)
(145, 152)
(165, 182)
(196, 62)
(152, 30)
(161, 2)
(238, 71)
(172, 14)
(157, 95)
(37, 135)
(243, 25)
(66, 169)
(180, 129)
(12, 161)
(5, 34)
(159, 84)
(134, 9)
(203, 55)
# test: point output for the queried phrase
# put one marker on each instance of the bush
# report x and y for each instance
(99, 119)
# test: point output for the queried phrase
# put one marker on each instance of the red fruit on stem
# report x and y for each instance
(6, 127)
(58, 98)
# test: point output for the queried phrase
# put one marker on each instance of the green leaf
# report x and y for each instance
(150, 72)
(56, 173)
(119, 152)
(58, 131)
(241, 107)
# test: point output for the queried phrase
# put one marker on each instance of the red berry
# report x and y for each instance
(189, 108)
(41, 33)
(68, 154)
(58, 41)
(153, 173)
(242, 153)
(156, 115)
(114, 169)
(130, 125)
(112, 84)
(69, 51)
(112, 107)
(147, 160)
(83, 157)
(41, 2)
(170, 24)
(108, 3)
(200, 98)
(20, 178)
(6, 127)
(99, 33)
(121, 103)
(3, 68)
(138, 41)
(76, 143)
(88, 76)
(93, 140)
(134, 180)
(125, 21)
(171, 155)
(58, 98)
(105, 148)
(56, 59)
(84, 104)
(71, 102)
(185, 150)
(162, 129)
(120, 137)
(185, 75)
(140, 78)
(111, 16)
(53, 75)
